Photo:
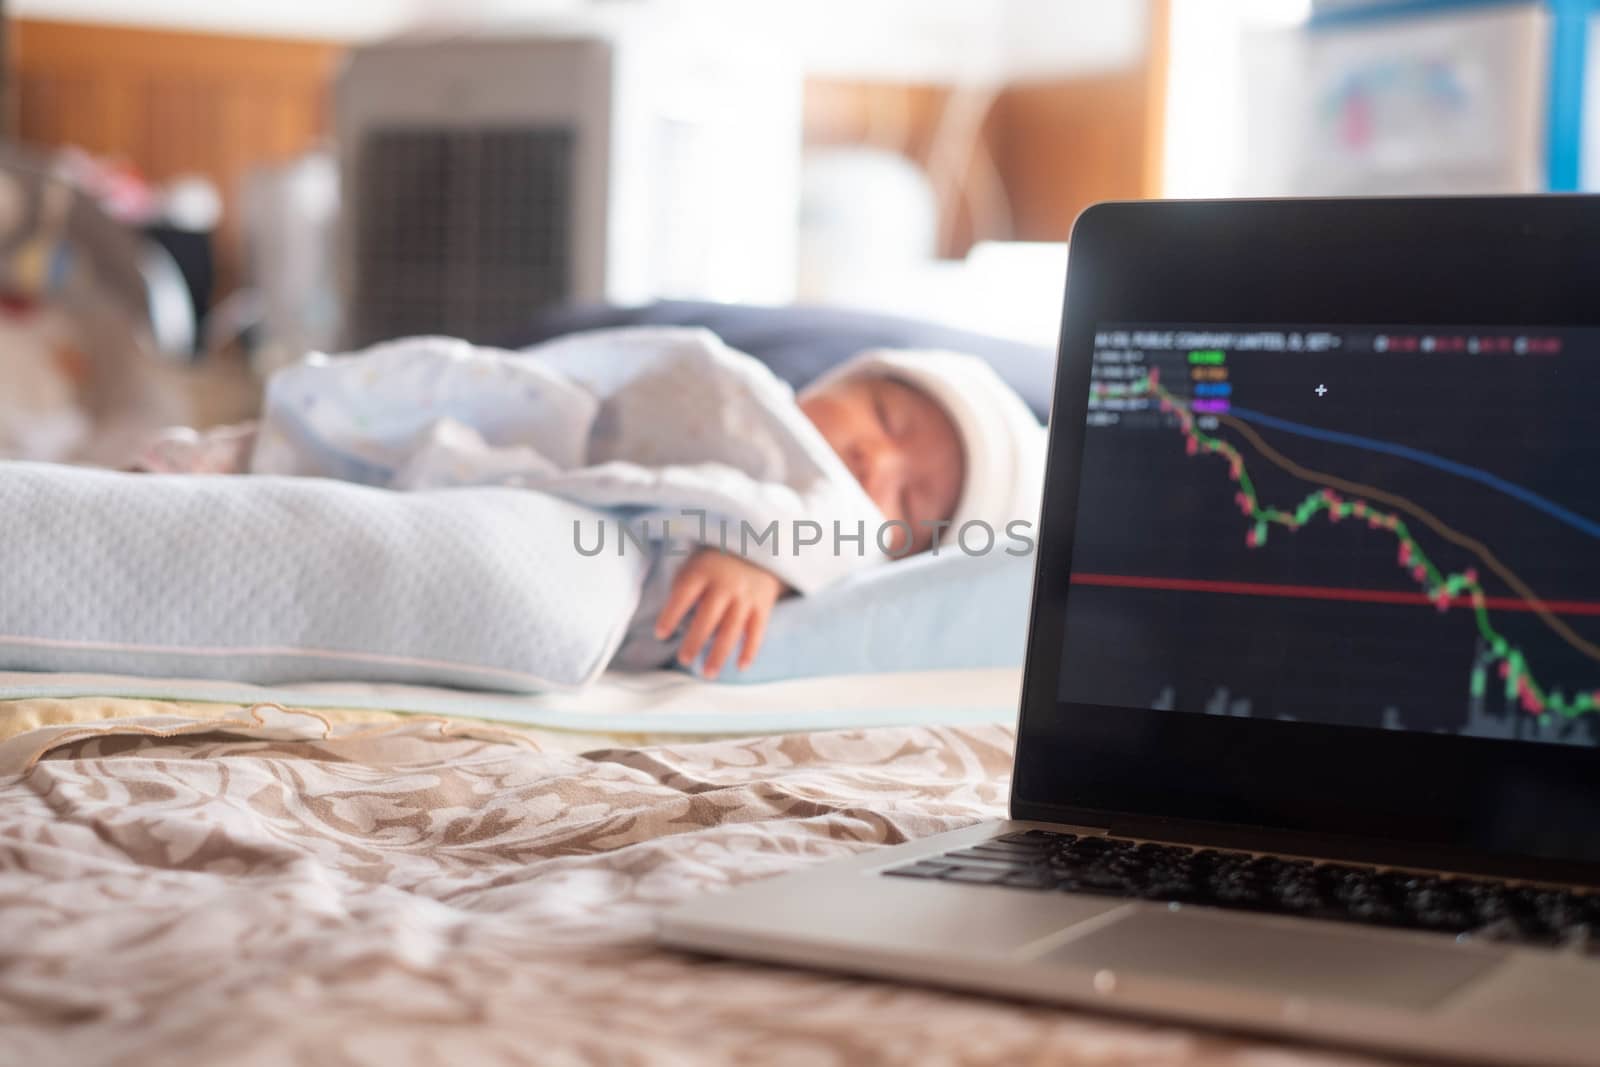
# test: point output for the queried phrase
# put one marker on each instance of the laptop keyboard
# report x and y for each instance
(1044, 860)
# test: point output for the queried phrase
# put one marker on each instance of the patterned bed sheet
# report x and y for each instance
(656, 703)
(267, 886)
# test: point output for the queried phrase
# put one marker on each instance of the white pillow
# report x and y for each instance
(272, 580)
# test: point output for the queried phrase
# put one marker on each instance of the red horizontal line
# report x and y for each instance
(1323, 592)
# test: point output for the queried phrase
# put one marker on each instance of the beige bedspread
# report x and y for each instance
(360, 893)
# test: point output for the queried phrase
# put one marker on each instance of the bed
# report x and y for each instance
(199, 871)
(261, 885)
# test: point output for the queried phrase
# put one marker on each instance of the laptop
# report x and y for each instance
(1311, 703)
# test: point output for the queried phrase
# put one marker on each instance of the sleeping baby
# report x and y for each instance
(747, 491)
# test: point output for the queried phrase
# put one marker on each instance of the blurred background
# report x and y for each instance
(193, 194)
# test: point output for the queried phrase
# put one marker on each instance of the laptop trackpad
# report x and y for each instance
(1280, 958)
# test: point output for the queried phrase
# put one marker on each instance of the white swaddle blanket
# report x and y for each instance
(698, 442)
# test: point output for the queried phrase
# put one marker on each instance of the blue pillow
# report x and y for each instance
(799, 343)
(943, 612)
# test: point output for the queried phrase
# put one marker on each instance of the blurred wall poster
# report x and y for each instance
(1452, 101)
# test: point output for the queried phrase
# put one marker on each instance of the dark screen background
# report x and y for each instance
(1172, 608)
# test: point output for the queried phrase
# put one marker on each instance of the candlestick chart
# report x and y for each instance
(1342, 533)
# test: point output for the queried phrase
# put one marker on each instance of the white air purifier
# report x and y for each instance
(492, 173)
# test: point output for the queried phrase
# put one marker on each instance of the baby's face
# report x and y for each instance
(901, 447)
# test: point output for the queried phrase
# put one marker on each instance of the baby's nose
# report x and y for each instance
(879, 467)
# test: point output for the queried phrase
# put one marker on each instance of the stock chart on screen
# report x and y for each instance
(1383, 527)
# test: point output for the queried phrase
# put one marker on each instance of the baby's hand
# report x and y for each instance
(731, 598)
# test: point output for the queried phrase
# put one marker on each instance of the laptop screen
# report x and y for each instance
(1383, 527)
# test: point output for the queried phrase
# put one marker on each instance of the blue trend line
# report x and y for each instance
(1527, 496)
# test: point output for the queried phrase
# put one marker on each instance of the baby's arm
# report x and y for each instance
(731, 599)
